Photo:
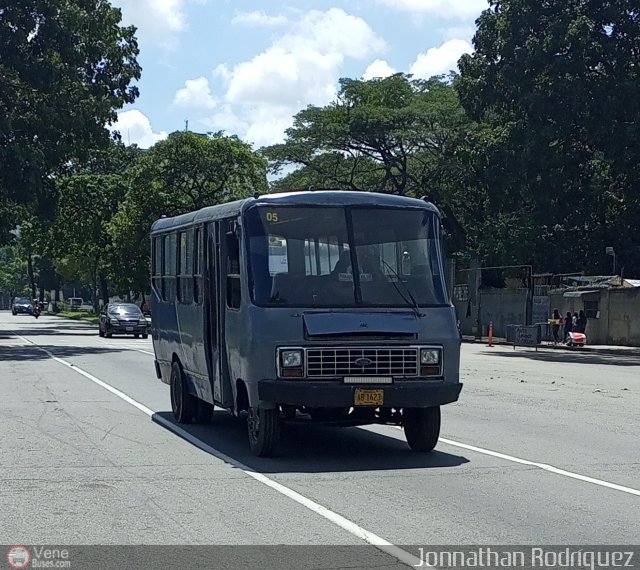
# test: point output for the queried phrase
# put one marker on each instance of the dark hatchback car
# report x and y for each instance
(123, 318)
(21, 306)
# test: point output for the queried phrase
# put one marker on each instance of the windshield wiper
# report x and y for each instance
(412, 302)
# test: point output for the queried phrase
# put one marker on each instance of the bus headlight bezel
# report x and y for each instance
(430, 356)
(290, 362)
(291, 358)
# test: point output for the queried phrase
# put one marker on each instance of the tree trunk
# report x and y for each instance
(104, 288)
(32, 280)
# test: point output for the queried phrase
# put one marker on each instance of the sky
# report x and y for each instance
(247, 67)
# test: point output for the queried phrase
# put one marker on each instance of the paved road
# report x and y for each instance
(543, 448)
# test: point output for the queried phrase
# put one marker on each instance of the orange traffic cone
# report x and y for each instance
(490, 333)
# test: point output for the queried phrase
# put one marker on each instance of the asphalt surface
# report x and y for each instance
(542, 448)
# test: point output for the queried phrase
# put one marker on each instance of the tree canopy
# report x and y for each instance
(66, 67)
(559, 82)
(395, 135)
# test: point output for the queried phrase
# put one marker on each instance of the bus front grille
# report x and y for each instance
(366, 361)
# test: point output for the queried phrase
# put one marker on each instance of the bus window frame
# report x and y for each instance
(198, 263)
(232, 230)
(184, 281)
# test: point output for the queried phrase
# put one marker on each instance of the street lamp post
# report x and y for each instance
(610, 251)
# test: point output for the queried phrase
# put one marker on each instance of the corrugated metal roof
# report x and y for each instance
(579, 293)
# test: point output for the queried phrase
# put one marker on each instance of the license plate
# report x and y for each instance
(364, 397)
(129, 329)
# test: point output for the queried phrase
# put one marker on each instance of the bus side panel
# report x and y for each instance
(193, 356)
(192, 314)
(164, 332)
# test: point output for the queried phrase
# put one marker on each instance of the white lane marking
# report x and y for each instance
(344, 523)
(126, 347)
(144, 351)
(544, 466)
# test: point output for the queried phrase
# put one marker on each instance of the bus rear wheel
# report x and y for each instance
(183, 404)
(421, 427)
(263, 427)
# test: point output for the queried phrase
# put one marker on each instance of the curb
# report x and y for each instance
(623, 351)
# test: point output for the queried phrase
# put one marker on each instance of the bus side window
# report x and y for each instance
(169, 269)
(157, 264)
(233, 269)
(185, 268)
(197, 266)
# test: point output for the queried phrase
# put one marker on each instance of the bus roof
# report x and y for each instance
(306, 198)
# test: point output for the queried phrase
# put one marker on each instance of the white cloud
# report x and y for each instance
(259, 18)
(196, 94)
(299, 68)
(378, 69)
(449, 9)
(440, 60)
(135, 128)
(459, 33)
(158, 21)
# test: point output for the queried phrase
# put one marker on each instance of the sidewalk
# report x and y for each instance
(596, 348)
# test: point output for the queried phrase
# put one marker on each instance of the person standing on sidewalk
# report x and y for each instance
(581, 325)
(568, 325)
(556, 321)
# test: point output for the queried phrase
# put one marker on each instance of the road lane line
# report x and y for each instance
(144, 351)
(356, 530)
(126, 347)
(544, 466)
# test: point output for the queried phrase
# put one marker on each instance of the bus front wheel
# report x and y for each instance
(263, 427)
(183, 404)
(421, 427)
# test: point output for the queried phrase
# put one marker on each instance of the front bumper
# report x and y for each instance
(25, 310)
(335, 394)
(127, 329)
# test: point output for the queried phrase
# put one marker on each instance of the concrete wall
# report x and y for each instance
(623, 314)
(502, 306)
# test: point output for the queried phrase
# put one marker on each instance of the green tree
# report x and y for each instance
(14, 279)
(66, 67)
(186, 172)
(86, 205)
(557, 86)
(395, 135)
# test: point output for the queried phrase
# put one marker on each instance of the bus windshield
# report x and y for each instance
(344, 257)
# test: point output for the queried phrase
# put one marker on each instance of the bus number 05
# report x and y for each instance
(272, 216)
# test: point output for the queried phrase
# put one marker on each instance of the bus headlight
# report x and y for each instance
(430, 356)
(291, 358)
(290, 363)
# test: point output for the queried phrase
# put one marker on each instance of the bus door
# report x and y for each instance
(214, 316)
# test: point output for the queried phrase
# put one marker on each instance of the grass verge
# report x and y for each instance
(78, 316)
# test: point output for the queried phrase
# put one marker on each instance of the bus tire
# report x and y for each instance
(183, 404)
(421, 427)
(263, 427)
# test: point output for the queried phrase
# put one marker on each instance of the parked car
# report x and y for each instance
(123, 318)
(22, 306)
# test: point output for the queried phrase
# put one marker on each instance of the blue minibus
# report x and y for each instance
(314, 306)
